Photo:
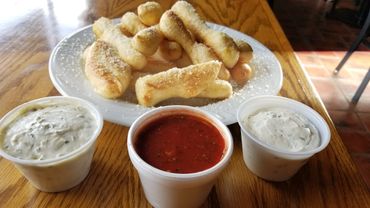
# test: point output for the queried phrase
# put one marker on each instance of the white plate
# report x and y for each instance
(66, 73)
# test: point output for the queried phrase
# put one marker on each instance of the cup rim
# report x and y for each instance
(323, 128)
(137, 160)
(87, 105)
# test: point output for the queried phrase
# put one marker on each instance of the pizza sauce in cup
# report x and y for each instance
(180, 143)
(178, 152)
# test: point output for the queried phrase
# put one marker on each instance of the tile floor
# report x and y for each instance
(320, 43)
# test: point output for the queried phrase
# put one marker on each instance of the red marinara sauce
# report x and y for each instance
(180, 143)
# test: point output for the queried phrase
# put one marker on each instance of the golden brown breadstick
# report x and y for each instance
(170, 50)
(147, 40)
(149, 13)
(173, 28)
(156, 64)
(221, 43)
(243, 46)
(125, 32)
(246, 51)
(134, 76)
(241, 73)
(245, 57)
(176, 82)
(183, 61)
(106, 71)
(130, 22)
(106, 31)
(219, 89)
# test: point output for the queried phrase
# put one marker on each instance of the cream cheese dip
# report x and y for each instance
(51, 140)
(279, 135)
(283, 129)
(43, 132)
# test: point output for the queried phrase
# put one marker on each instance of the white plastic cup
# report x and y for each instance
(167, 190)
(62, 173)
(267, 161)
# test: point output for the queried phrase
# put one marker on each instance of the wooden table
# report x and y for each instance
(30, 29)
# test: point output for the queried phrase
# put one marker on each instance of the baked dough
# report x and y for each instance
(173, 28)
(218, 89)
(131, 23)
(147, 40)
(106, 31)
(107, 72)
(185, 82)
(221, 43)
(150, 12)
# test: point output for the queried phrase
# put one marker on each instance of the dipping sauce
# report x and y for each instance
(180, 143)
(45, 132)
(283, 129)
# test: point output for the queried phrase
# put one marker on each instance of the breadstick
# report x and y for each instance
(176, 82)
(107, 72)
(170, 50)
(173, 28)
(150, 39)
(149, 13)
(130, 22)
(218, 89)
(241, 73)
(183, 61)
(221, 43)
(246, 51)
(125, 32)
(107, 32)
(147, 40)
(134, 76)
(243, 46)
(157, 64)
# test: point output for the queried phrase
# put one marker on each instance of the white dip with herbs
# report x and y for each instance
(283, 129)
(46, 132)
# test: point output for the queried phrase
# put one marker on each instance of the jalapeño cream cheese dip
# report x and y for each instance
(43, 132)
(283, 129)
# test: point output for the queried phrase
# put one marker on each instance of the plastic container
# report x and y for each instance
(164, 189)
(265, 160)
(62, 173)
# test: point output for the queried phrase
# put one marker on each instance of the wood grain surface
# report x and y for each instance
(29, 30)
